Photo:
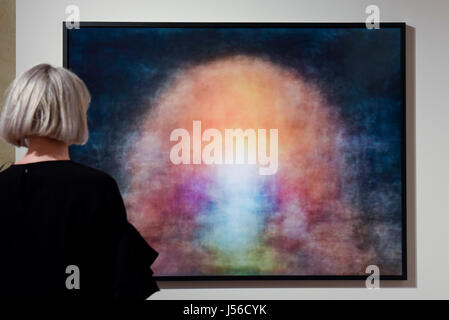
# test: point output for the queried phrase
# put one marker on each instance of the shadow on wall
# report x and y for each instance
(411, 212)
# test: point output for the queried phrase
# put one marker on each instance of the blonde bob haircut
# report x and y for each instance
(45, 101)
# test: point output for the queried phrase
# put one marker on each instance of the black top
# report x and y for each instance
(56, 214)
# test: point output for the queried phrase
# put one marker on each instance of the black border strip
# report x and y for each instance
(400, 25)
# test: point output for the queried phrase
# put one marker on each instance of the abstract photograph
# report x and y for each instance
(251, 150)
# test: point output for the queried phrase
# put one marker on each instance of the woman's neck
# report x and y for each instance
(45, 149)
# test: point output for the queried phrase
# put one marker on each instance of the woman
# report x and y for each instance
(63, 226)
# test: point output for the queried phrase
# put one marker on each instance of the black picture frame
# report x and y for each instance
(398, 25)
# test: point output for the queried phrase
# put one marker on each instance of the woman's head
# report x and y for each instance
(46, 101)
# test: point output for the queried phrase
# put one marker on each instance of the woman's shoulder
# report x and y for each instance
(90, 176)
(65, 170)
(90, 171)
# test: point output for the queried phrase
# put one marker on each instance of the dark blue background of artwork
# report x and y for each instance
(358, 71)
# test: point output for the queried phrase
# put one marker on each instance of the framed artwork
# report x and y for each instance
(252, 150)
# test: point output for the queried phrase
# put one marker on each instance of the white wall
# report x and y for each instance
(39, 39)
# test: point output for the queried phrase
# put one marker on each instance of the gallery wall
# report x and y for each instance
(39, 39)
(7, 64)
